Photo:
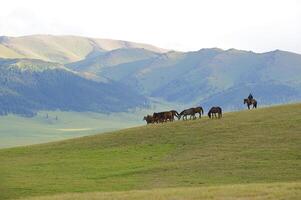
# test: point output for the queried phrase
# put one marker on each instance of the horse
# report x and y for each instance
(250, 102)
(191, 112)
(174, 113)
(149, 119)
(163, 116)
(213, 111)
(199, 110)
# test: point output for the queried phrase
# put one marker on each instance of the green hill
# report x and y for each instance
(244, 155)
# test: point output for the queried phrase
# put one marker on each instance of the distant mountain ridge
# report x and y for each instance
(116, 75)
(62, 49)
(28, 86)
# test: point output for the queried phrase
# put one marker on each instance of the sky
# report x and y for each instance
(184, 25)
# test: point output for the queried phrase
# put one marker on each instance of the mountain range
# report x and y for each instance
(45, 72)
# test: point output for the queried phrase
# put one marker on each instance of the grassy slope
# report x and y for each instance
(229, 192)
(258, 146)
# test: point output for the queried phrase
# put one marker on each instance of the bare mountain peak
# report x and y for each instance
(63, 48)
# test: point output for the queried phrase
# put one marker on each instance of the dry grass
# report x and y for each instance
(272, 191)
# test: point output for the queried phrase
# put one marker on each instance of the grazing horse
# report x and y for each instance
(174, 113)
(199, 110)
(158, 117)
(185, 113)
(250, 102)
(213, 111)
(191, 112)
(149, 119)
(163, 116)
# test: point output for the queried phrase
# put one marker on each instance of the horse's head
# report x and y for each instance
(209, 114)
(179, 116)
(144, 118)
(245, 101)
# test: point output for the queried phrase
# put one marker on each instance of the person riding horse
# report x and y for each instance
(250, 101)
(250, 97)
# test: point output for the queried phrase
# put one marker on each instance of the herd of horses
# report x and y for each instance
(214, 112)
(159, 117)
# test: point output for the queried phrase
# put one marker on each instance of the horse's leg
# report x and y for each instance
(249, 106)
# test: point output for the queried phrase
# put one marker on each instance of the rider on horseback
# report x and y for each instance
(250, 97)
(250, 101)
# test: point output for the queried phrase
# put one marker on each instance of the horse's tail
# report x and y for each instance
(209, 114)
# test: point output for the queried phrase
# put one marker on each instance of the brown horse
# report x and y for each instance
(250, 102)
(213, 111)
(163, 116)
(199, 110)
(174, 113)
(149, 119)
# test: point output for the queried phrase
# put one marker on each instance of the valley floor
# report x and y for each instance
(49, 126)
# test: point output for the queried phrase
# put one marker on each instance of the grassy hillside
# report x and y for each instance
(233, 192)
(245, 148)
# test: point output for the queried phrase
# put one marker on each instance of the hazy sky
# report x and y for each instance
(257, 25)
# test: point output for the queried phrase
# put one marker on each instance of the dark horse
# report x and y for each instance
(174, 114)
(191, 112)
(199, 110)
(149, 119)
(165, 116)
(215, 110)
(250, 102)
